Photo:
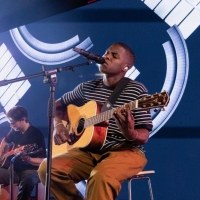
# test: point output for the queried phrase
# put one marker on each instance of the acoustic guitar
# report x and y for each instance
(88, 126)
(11, 151)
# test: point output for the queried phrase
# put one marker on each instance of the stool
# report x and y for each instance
(141, 175)
(40, 191)
(5, 192)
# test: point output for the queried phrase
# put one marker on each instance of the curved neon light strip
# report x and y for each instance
(176, 76)
(45, 47)
(55, 57)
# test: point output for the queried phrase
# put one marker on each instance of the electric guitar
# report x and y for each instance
(88, 127)
(9, 153)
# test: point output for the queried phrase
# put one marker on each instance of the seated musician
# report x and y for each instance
(121, 154)
(25, 142)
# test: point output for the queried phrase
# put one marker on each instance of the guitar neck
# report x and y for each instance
(107, 115)
(12, 152)
(158, 100)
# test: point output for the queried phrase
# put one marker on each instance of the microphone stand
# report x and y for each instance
(12, 174)
(49, 77)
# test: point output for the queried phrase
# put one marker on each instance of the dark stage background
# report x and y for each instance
(173, 151)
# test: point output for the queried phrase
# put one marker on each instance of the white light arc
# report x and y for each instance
(176, 76)
(44, 53)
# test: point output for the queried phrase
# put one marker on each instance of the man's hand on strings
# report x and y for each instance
(17, 151)
(62, 133)
(124, 120)
(24, 156)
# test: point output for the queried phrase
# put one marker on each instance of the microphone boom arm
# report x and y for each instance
(45, 73)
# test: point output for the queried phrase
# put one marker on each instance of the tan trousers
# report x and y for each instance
(104, 172)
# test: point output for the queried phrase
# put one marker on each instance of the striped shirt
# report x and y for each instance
(95, 90)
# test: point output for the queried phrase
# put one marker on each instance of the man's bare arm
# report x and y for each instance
(60, 113)
(32, 161)
(61, 132)
(2, 146)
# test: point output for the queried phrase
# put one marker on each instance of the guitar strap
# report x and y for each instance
(116, 92)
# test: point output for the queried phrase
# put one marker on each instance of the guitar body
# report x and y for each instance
(91, 138)
(5, 161)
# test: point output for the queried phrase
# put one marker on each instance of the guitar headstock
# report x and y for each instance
(157, 100)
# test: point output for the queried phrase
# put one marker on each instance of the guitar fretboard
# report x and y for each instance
(107, 115)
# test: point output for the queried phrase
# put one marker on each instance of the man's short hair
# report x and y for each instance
(129, 51)
(17, 113)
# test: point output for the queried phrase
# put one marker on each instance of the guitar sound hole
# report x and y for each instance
(80, 127)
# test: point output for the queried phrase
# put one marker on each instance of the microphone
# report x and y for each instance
(89, 55)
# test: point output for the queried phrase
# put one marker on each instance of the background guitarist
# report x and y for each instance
(122, 153)
(25, 166)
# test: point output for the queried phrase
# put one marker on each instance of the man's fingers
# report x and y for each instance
(57, 140)
(62, 137)
(62, 133)
(128, 113)
(120, 113)
(118, 122)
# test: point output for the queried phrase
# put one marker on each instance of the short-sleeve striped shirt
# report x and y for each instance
(95, 90)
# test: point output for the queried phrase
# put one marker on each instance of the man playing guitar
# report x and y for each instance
(121, 154)
(26, 140)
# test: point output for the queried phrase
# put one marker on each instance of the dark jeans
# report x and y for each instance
(26, 179)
